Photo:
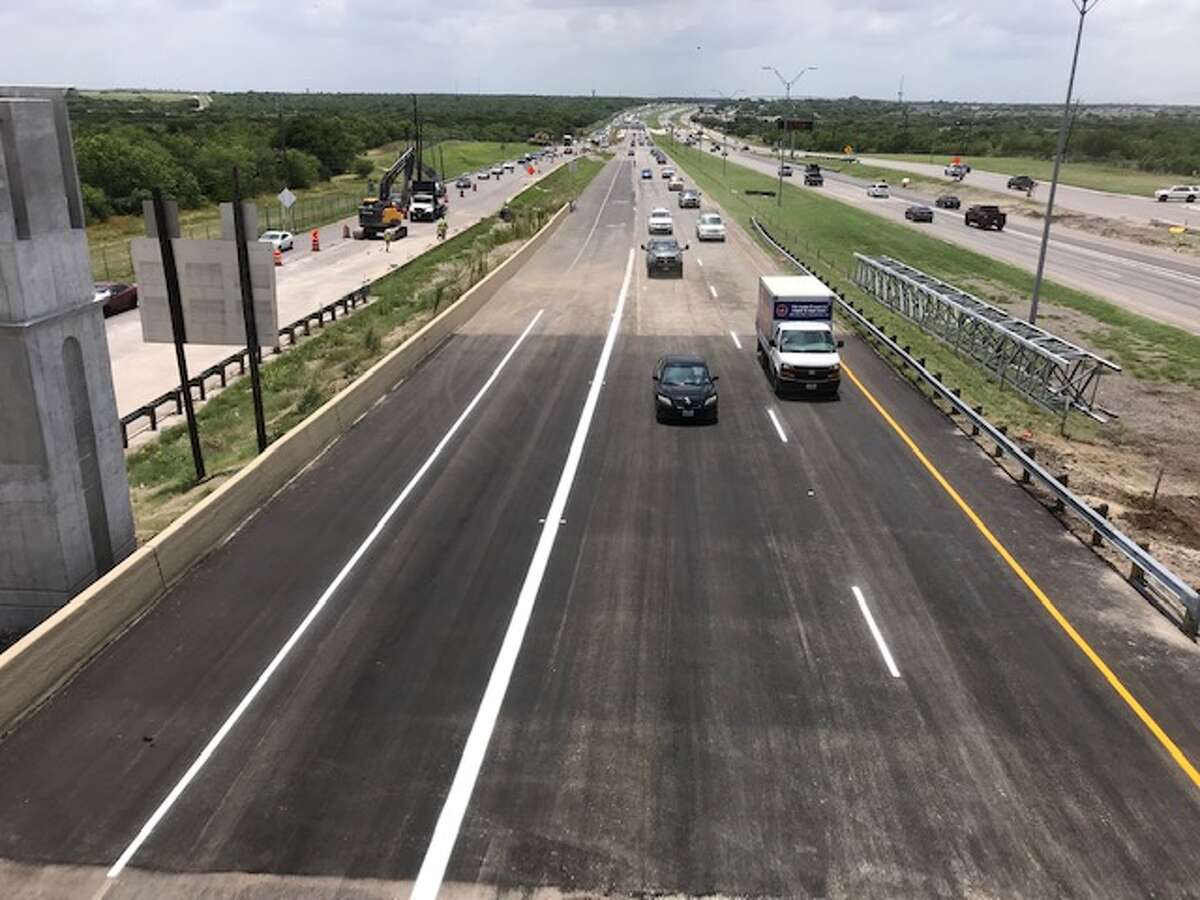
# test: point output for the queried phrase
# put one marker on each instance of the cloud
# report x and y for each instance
(981, 49)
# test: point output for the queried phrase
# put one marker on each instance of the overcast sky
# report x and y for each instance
(1018, 50)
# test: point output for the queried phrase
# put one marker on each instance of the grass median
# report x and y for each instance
(302, 378)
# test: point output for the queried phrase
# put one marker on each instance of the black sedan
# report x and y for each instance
(1021, 183)
(684, 389)
(664, 256)
(919, 214)
(947, 201)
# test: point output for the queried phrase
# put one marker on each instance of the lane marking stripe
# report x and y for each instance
(600, 212)
(712, 290)
(736, 342)
(875, 632)
(449, 823)
(778, 428)
(215, 741)
(1114, 682)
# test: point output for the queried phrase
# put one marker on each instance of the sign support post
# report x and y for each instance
(253, 349)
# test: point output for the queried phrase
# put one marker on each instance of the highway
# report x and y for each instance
(509, 634)
(305, 282)
(1154, 283)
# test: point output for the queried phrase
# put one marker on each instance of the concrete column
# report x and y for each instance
(65, 514)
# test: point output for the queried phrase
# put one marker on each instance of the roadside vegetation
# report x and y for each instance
(300, 380)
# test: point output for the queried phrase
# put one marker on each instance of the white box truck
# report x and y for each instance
(796, 345)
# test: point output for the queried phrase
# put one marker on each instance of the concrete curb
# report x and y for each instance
(45, 660)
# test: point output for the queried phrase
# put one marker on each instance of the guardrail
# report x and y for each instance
(220, 371)
(1147, 575)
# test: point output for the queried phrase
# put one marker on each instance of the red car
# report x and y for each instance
(117, 298)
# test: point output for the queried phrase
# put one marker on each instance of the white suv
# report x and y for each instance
(660, 221)
(879, 189)
(1188, 193)
(709, 227)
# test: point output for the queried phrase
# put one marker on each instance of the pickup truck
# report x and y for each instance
(794, 326)
(985, 217)
(813, 176)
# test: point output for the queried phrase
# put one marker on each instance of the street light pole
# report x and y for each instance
(725, 134)
(787, 87)
(1083, 7)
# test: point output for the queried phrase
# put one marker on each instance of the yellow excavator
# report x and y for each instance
(388, 209)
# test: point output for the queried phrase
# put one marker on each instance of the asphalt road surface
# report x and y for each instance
(1157, 284)
(510, 635)
(306, 281)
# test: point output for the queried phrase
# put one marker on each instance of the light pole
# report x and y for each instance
(725, 134)
(787, 87)
(1083, 7)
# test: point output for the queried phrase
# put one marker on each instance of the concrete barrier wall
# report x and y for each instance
(43, 661)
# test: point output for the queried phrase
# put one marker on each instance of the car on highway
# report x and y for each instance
(684, 389)
(957, 170)
(710, 227)
(785, 171)
(745, 147)
(1188, 193)
(116, 298)
(675, 184)
(985, 217)
(660, 222)
(918, 213)
(667, 173)
(879, 189)
(631, 152)
(483, 175)
(947, 201)
(279, 240)
(689, 199)
(510, 167)
(664, 256)
(497, 171)
(647, 175)
(463, 183)
(1021, 183)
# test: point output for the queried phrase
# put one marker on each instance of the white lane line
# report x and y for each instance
(215, 741)
(778, 427)
(712, 290)
(699, 261)
(599, 213)
(883, 647)
(445, 833)
(736, 342)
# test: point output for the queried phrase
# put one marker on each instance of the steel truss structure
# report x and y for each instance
(1052, 372)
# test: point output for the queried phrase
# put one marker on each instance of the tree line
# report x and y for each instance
(127, 147)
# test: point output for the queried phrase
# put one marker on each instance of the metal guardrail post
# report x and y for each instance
(1153, 577)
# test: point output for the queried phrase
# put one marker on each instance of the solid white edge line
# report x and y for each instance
(603, 204)
(215, 741)
(883, 647)
(699, 261)
(712, 290)
(778, 428)
(445, 834)
(736, 342)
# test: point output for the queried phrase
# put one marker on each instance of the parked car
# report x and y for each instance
(684, 388)
(463, 183)
(947, 201)
(689, 199)
(879, 189)
(986, 217)
(116, 298)
(279, 240)
(1021, 183)
(709, 227)
(664, 255)
(785, 171)
(660, 222)
(1188, 193)
(647, 175)
(675, 184)
(919, 214)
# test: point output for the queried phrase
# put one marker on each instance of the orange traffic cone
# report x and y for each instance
(316, 240)
(278, 257)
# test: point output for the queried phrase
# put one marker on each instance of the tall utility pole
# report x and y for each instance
(787, 87)
(1083, 7)
(725, 133)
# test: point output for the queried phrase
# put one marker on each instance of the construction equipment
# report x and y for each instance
(390, 207)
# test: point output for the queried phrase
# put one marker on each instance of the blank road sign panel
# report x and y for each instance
(210, 291)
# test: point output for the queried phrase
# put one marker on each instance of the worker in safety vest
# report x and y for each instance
(441, 229)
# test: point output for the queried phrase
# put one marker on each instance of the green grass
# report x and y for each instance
(828, 233)
(1098, 177)
(461, 156)
(301, 379)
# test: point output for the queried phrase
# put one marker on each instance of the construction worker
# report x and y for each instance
(387, 240)
(441, 229)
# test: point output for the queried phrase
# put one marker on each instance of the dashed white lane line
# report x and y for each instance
(778, 428)
(215, 741)
(712, 290)
(736, 342)
(445, 833)
(699, 262)
(883, 647)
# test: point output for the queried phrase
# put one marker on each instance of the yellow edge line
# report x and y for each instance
(1171, 747)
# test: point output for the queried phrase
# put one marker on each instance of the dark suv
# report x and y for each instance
(1021, 183)
(985, 217)
(684, 388)
(664, 256)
